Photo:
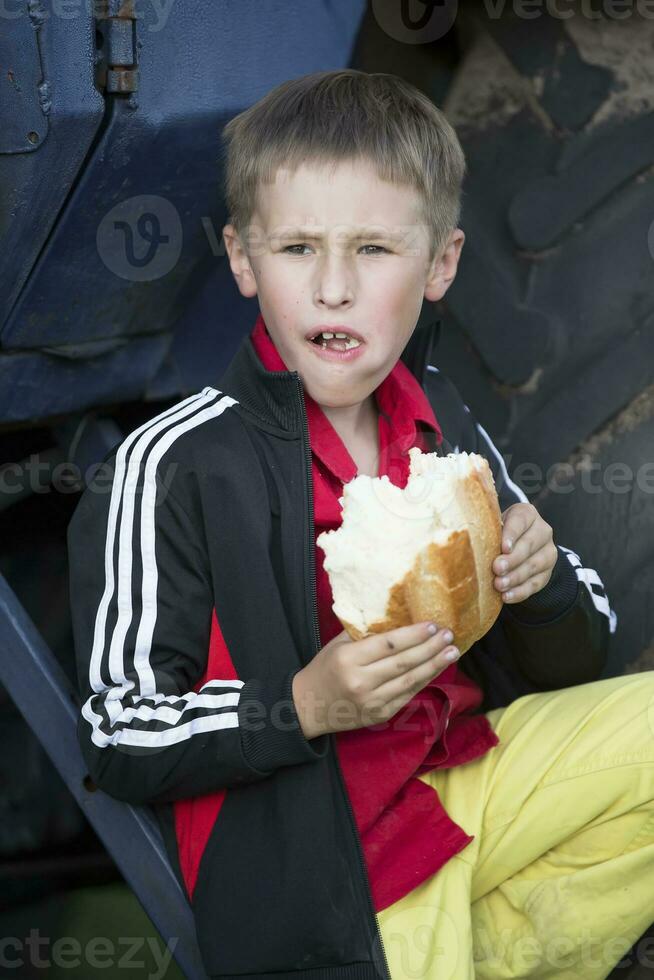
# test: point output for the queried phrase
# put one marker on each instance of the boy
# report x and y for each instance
(312, 838)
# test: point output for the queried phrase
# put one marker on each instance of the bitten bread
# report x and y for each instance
(424, 552)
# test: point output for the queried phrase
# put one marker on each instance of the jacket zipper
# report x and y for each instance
(314, 605)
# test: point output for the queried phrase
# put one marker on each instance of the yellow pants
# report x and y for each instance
(559, 880)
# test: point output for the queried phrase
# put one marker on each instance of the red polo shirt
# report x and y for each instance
(405, 832)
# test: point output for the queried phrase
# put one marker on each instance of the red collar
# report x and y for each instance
(399, 396)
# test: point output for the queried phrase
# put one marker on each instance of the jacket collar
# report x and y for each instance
(277, 396)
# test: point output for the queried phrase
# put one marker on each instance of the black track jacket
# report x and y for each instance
(208, 506)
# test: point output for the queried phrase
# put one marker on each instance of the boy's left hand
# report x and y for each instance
(529, 552)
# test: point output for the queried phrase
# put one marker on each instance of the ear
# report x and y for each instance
(443, 267)
(239, 262)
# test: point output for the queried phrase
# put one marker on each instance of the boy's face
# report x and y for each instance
(299, 259)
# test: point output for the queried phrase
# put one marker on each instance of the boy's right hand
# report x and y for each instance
(355, 683)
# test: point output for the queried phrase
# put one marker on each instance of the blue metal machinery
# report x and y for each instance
(117, 120)
(114, 286)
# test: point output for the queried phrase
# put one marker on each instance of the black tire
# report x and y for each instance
(551, 317)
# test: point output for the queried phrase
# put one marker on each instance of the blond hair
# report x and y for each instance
(345, 115)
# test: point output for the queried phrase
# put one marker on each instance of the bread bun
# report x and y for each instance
(424, 552)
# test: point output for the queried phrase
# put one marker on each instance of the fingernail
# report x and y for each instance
(509, 543)
(432, 628)
(452, 654)
(449, 636)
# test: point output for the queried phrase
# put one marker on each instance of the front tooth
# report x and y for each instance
(349, 341)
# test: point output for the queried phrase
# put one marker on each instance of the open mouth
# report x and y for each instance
(335, 341)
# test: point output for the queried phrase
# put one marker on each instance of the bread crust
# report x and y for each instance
(452, 583)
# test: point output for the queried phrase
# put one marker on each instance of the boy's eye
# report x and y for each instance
(379, 247)
(288, 248)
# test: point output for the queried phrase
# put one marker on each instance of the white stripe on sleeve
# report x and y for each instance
(590, 577)
(105, 709)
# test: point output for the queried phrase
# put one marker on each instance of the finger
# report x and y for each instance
(382, 645)
(535, 556)
(530, 586)
(541, 562)
(534, 538)
(517, 522)
(403, 662)
(403, 687)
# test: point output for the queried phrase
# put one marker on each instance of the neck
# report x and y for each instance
(354, 420)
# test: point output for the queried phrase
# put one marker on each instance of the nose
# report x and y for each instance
(334, 280)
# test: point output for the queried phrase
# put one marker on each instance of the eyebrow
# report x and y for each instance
(359, 234)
